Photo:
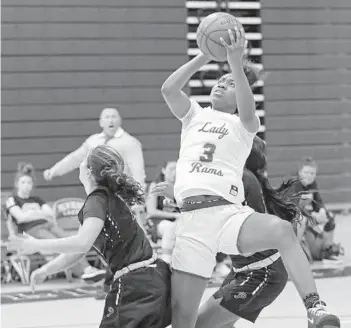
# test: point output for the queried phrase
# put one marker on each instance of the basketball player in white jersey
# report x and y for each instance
(214, 147)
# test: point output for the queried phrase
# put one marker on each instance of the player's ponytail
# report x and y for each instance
(124, 186)
(107, 166)
(277, 201)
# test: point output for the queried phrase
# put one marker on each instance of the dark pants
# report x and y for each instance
(140, 299)
(246, 294)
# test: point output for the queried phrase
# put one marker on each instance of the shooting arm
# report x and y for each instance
(245, 99)
(177, 101)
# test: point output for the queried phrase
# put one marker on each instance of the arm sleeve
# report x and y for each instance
(253, 192)
(96, 206)
(194, 108)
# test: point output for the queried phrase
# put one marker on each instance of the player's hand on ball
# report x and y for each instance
(47, 175)
(236, 48)
(163, 189)
(38, 276)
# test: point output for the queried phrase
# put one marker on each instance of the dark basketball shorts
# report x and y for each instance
(140, 299)
(246, 294)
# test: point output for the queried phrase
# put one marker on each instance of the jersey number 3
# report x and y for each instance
(207, 156)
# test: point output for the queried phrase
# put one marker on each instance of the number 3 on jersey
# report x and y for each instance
(209, 150)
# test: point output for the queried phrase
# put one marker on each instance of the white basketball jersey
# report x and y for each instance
(213, 152)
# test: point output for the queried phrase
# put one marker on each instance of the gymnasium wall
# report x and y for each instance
(307, 51)
(65, 60)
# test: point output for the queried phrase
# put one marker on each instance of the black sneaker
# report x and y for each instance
(319, 317)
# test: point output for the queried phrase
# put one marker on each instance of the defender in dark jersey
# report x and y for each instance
(139, 293)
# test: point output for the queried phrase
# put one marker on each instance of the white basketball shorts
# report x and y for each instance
(202, 233)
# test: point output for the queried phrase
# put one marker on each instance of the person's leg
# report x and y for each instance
(213, 315)
(329, 230)
(167, 231)
(316, 244)
(261, 232)
(57, 231)
(41, 232)
(193, 260)
(187, 291)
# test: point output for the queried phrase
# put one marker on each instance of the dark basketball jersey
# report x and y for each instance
(121, 241)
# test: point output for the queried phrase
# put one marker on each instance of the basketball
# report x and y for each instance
(211, 29)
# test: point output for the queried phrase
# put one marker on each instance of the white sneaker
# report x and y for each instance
(92, 274)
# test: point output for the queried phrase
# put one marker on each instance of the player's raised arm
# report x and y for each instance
(68, 163)
(245, 98)
(177, 101)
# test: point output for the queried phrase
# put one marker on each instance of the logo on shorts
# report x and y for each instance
(110, 311)
(233, 190)
(240, 295)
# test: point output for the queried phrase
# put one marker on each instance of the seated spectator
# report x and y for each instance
(318, 237)
(162, 213)
(36, 218)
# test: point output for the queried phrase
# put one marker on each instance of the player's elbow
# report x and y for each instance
(167, 89)
(250, 121)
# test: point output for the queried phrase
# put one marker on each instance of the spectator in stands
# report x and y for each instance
(36, 218)
(113, 135)
(163, 213)
(317, 238)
